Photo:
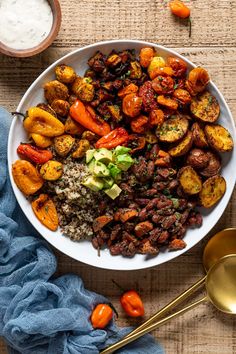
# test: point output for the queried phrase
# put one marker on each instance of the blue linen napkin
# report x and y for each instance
(39, 314)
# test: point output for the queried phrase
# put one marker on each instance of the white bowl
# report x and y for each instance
(83, 251)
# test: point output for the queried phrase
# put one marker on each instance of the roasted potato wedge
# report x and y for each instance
(197, 158)
(213, 166)
(63, 144)
(212, 191)
(61, 107)
(173, 129)
(183, 147)
(189, 180)
(82, 147)
(219, 137)
(54, 90)
(205, 107)
(199, 138)
(72, 127)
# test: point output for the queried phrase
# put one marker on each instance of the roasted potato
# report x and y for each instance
(63, 144)
(219, 137)
(150, 137)
(54, 90)
(72, 127)
(51, 170)
(213, 166)
(85, 90)
(197, 158)
(47, 108)
(83, 146)
(189, 180)
(205, 107)
(76, 84)
(183, 147)
(65, 74)
(199, 138)
(88, 135)
(61, 107)
(173, 129)
(212, 191)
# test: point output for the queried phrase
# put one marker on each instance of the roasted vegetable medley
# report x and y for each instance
(145, 131)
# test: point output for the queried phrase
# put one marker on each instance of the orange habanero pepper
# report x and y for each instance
(85, 115)
(179, 9)
(101, 316)
(132, 303)
(34, 154)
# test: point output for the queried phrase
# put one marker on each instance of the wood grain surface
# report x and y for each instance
(204, 330)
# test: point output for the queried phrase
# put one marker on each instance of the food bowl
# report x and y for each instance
(56, 11)
(83, 251)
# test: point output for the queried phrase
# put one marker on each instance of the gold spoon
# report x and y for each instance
(220, 284)
(221, 244)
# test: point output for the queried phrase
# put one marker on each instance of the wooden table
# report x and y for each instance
(204, 330)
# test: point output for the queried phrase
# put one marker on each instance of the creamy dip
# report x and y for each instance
(24, 23)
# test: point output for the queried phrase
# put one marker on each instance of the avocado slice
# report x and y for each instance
(91, 165)
(121, 150)
(93, 183)
(114, 170)
(100, 170)
(113, 192)
(89, 155)
(124, 162)
(103, 155)
(108, 182)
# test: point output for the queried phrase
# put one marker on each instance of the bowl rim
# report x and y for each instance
(224, 202)
(25, 53)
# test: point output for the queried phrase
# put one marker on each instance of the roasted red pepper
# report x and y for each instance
(85, 115)
(132, 303)
(116, 137)
(101, 316)
(34, 154)
(136, 143)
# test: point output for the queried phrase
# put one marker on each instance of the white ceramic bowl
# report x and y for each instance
(83, 251)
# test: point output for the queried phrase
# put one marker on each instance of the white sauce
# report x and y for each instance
(24, 23)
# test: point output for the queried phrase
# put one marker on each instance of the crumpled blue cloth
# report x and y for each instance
(40, 314)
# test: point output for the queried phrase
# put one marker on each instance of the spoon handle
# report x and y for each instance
(150, 328)
(170, 305)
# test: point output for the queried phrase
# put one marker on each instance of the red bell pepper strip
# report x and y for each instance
(85, 115)
(34, 154)
(116, 137)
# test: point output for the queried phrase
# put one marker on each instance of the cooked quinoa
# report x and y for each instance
(77, 206)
